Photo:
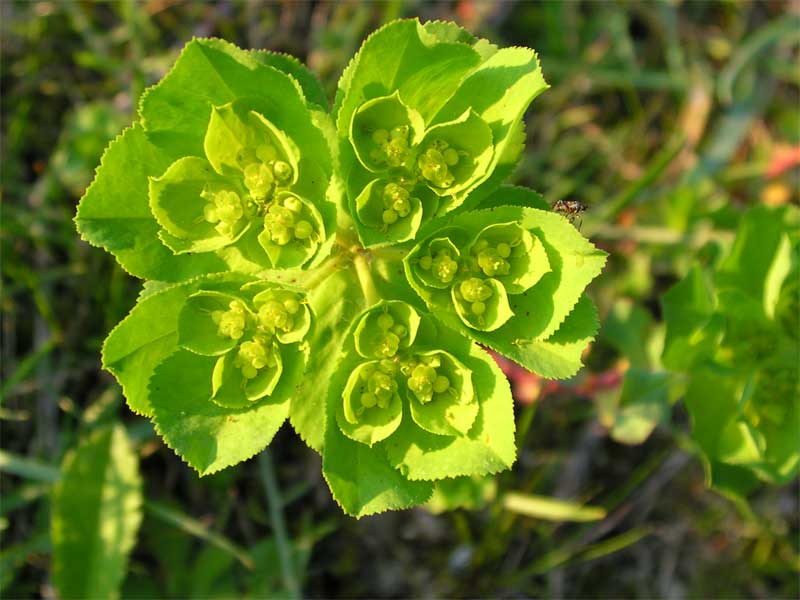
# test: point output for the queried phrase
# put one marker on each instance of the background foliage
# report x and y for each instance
(668, 119)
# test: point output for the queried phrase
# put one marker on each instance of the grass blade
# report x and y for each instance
(551, 509)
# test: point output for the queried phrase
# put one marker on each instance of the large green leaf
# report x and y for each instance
(217, 73)
(96, 515)
(447, 31)
(751, 276)
(150, 333)
(626, 328)
(487, 448)
(693, 328)
(335, 300)
(644, 403)
(312, 88)
(499, 91)
(559, 356)
(207, 436)
(115, 212)
(740, 430)
(403, 56)
(361, 480)
(530, 336)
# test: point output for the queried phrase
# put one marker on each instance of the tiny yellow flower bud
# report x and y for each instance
(450, 157)
(389, 216)
(385, 321)
(399, 133)
(293, 204)
(266, 153)
(441, 384)
(380, 136)
(291, 305)
(368, 400)
(282, 170)
(303, 230)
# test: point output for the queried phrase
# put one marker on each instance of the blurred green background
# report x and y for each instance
(666, 118)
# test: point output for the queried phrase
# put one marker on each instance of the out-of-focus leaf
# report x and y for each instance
(644, 403)
(626, 328)
(96, 515)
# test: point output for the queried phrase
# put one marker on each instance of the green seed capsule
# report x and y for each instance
(378, 155)
(399, 133)
(366, 372)
(303, 230)
(425, 372)
(282, 170)
(478, 308)
(368, 400)
(399, 330)
(281, 236)
(293, 204)
(425, 262)
(389, 216)
(225, 229)
(380, 136)
(281, 215)
(291, 305)
(504, 250)
(441, 384)
(266, 153)
(210, 213)
(450, 157)
(385, 321)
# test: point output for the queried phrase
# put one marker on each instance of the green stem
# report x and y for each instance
(275, 503)
(321, 273)
(365, 279)
(389, 254)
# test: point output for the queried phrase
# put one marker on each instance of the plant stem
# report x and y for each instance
(644, 234)
(393, 254)
(321, 273)
(275, 503)
(365, 279)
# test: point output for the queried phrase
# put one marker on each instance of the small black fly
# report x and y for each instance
(571, 209)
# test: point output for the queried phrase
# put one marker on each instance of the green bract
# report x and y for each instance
(339, 269)
(733, 333)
